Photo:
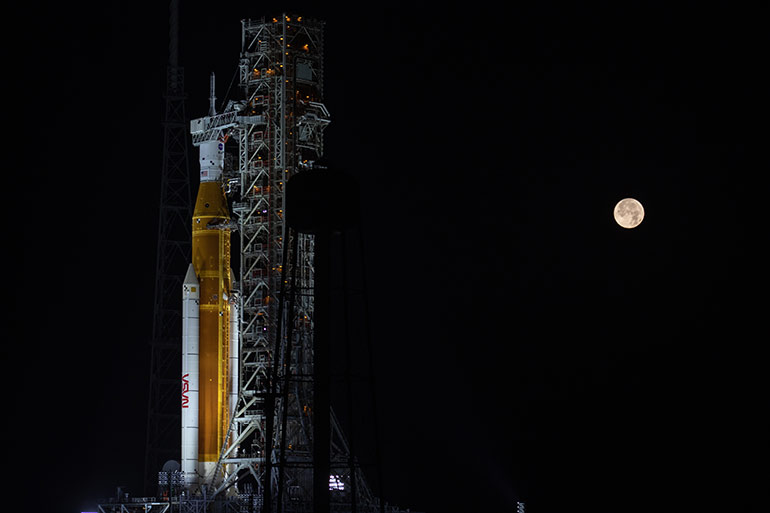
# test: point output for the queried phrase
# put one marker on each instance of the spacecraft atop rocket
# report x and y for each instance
(210, 349)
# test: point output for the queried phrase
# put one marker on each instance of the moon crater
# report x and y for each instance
(629, 213)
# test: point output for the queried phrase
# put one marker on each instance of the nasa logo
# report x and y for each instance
(220, 146)
(185, 389)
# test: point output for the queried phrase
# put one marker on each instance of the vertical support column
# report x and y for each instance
(321, 365)
(235, 349)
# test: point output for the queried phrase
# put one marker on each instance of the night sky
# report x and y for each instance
(526, 347)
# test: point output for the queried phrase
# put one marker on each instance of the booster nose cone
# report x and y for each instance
(190, 279)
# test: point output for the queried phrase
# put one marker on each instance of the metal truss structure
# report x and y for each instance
(280, 78)
(242, 503)
(140, 506)
(278, 129)
(173, 251)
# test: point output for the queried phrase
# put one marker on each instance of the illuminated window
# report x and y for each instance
(335, 483)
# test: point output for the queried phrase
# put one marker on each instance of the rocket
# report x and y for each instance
(210, 351)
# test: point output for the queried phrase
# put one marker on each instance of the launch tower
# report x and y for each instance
(275, 128)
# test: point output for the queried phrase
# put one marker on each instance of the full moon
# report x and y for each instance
(629, 213)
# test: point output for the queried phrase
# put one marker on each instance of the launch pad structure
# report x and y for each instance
(249, 378)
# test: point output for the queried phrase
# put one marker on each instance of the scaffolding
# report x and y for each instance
(281, 118)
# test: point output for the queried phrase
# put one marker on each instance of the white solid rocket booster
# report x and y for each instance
(190, 376)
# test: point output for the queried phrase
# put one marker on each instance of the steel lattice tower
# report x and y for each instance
(278, 132)
(173, 253)
(280, 78)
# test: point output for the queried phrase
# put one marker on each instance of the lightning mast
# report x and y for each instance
(173, 250)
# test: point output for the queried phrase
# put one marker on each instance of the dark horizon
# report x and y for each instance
(527, 347)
